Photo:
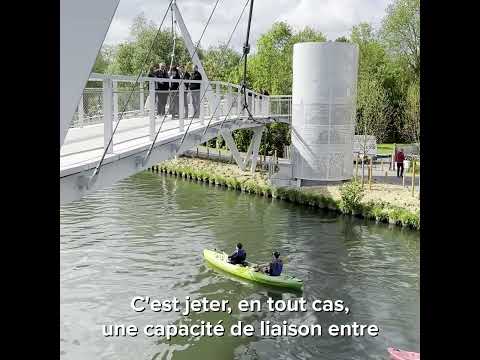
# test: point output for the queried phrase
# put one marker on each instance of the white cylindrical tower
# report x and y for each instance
(323, 110)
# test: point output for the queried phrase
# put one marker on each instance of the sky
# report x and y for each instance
(334, 18)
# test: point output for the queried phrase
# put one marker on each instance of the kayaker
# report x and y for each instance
(274, 268)
(239, 255)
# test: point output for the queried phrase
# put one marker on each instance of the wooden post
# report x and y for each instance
(393, 156)
(370, 175)
(208, 153)
(381, 164)
(197, 151)
(403, 178)
(413, 178)
(363, 169)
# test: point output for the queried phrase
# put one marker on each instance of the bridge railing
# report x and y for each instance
(108, 98)
(280, 105)
(226, 99)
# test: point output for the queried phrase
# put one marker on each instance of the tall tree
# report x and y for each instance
(131, 55)
(372, 113)
(412, 118)
(401, 32)
(221, 62)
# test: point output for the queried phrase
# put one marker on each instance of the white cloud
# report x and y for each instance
(334, 18)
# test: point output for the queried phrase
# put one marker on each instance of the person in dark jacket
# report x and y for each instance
(399, 159)
(274, 268)
(276, 265)
(239, 255)
(152, 71)
(185, 75)
(195, 91)
(161, 89)
(175, 74)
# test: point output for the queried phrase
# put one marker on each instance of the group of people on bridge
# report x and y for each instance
(166, 88)
(167, 92)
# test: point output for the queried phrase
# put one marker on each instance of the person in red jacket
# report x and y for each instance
(399, 158)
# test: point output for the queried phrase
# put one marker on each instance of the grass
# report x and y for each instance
(387, 149)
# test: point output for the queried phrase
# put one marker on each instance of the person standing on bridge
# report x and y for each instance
(185, 75)
(195, 91)
(161, 89)
(175, 74)
(151, 74)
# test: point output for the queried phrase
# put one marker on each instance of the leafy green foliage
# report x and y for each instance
(131, 55)
(401, 32)
(351, 197)
(220, 63)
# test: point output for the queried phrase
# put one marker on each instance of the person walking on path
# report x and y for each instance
(399, 159)
(195, 91)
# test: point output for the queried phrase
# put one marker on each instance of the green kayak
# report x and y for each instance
(219, 259)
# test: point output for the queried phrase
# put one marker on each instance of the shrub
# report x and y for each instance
(351, 197)
(281, 193)
(409, 219)
(395, 215)
(220, 180)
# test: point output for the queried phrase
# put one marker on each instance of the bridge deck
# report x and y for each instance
(83, 147)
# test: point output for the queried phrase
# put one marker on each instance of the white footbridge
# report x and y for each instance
(132, 150)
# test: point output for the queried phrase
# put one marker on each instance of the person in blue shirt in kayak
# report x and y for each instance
(274, 268)
(239, 255)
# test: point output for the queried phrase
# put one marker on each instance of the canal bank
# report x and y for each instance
(385, 203)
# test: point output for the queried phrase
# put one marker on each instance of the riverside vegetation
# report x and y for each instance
(350, 200)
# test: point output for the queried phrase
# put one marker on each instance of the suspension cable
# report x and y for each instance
(239, 61)
(218, 104)
(145, 159)
(246, 50)
(97, 168)
(204, 93)
(172, 56)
